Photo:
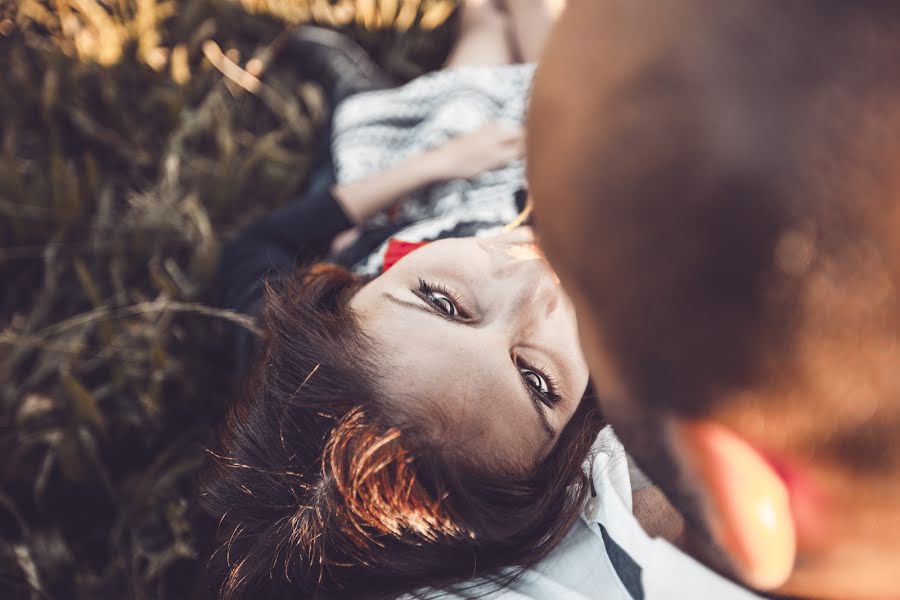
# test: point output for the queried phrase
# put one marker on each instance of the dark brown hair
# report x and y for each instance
(321, 491)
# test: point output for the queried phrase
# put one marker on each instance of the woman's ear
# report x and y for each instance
(747, 502)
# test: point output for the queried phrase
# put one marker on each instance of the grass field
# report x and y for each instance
(136, 135)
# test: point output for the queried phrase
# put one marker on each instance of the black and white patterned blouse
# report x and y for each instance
(375, 130)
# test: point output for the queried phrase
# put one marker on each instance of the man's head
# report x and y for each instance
(718, 186)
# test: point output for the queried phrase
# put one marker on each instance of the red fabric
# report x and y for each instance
(397, 249)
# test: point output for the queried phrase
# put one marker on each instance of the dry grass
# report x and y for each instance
(134, 136)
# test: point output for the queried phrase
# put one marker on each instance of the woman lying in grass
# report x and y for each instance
(414, 413)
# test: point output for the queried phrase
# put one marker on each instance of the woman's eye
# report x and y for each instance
(535, 380)
(441, 298)
(443, 303)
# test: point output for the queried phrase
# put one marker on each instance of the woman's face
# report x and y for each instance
(479, 332)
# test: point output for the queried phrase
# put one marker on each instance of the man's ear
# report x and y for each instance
(746, 501)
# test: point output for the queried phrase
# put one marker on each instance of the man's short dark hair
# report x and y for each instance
(739, 198)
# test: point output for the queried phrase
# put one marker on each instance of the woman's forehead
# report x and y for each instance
(454, 378)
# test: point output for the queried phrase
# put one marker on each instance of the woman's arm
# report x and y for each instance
(272, 246)
(364, 198)
(489, 147)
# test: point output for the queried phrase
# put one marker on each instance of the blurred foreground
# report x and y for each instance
(135, 135)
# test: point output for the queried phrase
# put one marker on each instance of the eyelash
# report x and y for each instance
(426, 291)
(549, 398)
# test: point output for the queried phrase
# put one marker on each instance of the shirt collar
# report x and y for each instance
(665, 571)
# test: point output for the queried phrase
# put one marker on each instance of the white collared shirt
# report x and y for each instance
(608, 556)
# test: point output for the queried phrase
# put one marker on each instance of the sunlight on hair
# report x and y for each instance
(374, 474)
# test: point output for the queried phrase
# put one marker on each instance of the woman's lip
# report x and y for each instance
(520, 243)
(525, 251)
(519, 235)
(516, 244)
(518, 251)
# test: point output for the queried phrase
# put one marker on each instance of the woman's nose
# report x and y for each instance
(538, 294)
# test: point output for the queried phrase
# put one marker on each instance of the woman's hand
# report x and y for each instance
(491, 146)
